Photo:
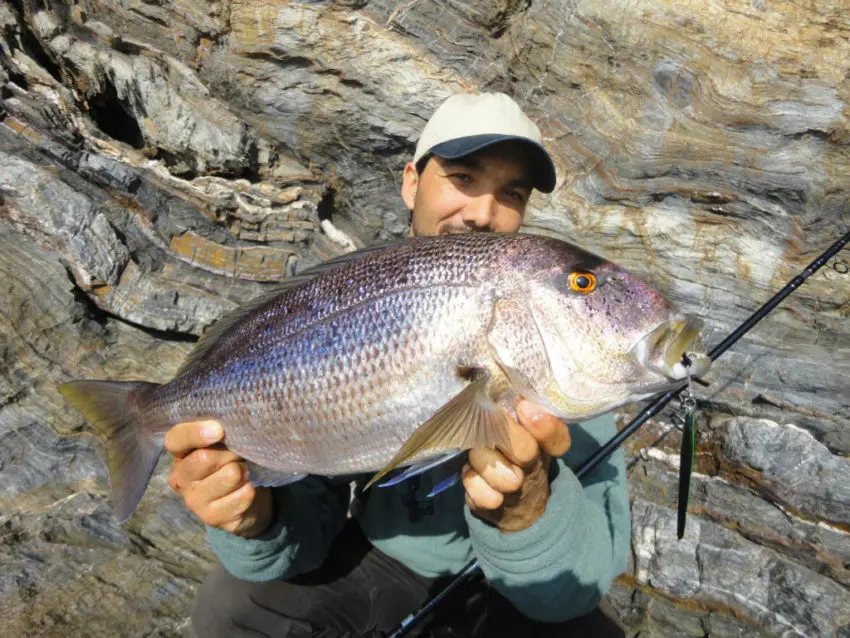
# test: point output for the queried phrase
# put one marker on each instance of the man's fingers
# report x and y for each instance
(202, 463)
(552, 435)
(524, 448)
(230, 507)
(479, 494)
(185, 437)
(496, 470)
(199, 495)
(213, 481)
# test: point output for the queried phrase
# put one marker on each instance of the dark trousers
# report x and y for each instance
(361, 592)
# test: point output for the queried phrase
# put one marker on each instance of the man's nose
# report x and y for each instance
(480, 211)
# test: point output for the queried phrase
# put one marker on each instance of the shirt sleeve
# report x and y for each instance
(308, 515)
(561, 566)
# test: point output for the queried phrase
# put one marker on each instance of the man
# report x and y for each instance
(295, 566)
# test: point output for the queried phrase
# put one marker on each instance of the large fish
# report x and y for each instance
(399, 355)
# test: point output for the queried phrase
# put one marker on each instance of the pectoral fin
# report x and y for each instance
(471, 419)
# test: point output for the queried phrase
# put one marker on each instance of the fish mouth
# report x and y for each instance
(674, 349)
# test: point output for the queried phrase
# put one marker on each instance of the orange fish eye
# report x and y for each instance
(583, 282)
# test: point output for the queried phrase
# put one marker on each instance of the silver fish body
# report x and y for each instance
(336, 388)
(339, 371)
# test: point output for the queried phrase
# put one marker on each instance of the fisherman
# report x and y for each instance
(294, 563)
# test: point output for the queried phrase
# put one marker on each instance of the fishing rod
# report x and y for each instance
(473, 568)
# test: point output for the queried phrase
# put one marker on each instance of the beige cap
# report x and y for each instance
(467, 122)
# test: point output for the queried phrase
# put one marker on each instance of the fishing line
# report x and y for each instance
(474, 569)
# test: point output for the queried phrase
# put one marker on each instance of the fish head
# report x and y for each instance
(610, 338)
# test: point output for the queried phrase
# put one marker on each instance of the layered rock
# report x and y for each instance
(161, 163)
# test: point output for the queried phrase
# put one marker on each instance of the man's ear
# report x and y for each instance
(409, 184)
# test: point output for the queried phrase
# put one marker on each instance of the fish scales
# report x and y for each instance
(346, 367)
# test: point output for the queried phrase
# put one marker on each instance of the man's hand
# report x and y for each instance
(512, 492)
(213, 481)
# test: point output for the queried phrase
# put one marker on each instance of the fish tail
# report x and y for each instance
(133, 445)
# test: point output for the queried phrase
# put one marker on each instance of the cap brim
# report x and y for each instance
(543, 168)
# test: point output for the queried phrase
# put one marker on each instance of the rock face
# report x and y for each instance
(161, 163)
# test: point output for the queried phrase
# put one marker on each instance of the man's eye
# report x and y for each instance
(463, 178)
(518, 196)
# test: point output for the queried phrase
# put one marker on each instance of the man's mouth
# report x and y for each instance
(462, 230)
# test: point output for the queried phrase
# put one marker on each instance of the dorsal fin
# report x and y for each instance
(226, 323)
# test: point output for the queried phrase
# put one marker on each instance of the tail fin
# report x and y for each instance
(132, 446)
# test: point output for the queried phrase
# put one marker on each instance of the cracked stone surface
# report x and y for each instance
(717, 566)
(162, 163)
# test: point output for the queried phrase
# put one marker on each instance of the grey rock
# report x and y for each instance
(108, 172)
(794, 467)
(83, 234)
(713, 563)
(730, 499)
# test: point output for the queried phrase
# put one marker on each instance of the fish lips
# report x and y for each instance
(673, 349)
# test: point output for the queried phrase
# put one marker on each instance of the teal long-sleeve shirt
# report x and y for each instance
(557, 569)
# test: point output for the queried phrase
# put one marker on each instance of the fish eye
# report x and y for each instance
(582, 281)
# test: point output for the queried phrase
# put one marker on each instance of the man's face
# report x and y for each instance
(485, 191)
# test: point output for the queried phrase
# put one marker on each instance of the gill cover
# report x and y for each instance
(531, 358)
